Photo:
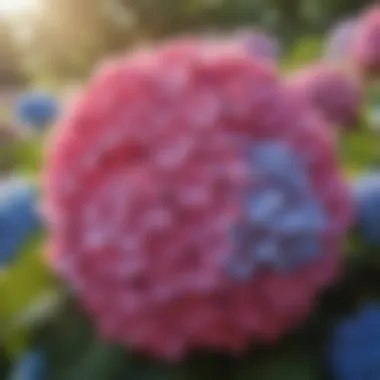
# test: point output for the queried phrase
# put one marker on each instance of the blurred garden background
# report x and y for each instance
(54, 46)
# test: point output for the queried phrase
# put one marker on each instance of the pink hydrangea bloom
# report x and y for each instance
(331, 90)
(366, 49)
(179, 193)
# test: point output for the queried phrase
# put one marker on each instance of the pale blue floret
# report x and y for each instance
(284, 222)
(264, 207)
(273, 161)
(305, 217)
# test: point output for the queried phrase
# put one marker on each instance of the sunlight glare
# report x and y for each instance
(17, 7)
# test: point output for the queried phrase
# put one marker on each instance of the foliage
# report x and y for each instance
(68, 37)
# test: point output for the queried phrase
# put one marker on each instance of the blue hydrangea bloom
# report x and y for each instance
(355, 347)
(283, 222)
(37, 109)
(367, 204)
(31, 366)
(338, 43)
(18, 216)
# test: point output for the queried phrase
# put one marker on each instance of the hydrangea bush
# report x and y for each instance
(198, 216)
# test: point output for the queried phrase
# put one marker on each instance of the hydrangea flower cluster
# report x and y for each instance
(18, 216)
(178, 166)
(335, 93)
(366, 190)
(339, 42)
(31, 366)
(37, 109)
(283, 221)
(260, 44)
(355, 349)
(366, 45)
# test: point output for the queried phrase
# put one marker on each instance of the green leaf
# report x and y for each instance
(305, 51)
(22, 284)
(358, 149)
(66, 339)
(27, 154)
(27, 278)
(102, 361)
(289, 363)
(5, 364)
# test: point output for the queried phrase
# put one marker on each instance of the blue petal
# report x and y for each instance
(306, 217)
(276, 159)
(266, 252)
(264, 206)
(306, 247)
